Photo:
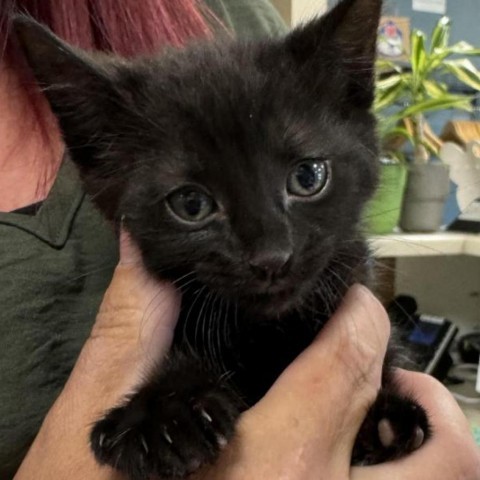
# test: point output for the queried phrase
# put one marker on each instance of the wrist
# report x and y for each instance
(99, 381)
(105, 372)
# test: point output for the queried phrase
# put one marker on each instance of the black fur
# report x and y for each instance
(262, 274)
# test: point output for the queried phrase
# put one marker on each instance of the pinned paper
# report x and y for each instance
(430, 6)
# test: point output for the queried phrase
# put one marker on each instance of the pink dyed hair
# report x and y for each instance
(124, 27)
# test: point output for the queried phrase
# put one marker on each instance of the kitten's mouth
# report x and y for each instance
(274, 301)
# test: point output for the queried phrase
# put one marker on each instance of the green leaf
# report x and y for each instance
(418, 55)
(387, 97)
(463, 48)
(401, 132)
(388, 82)
(387, 124)
(460, 48)
(437, 58)
(440, 34)
(465, 71)
(383, 65)
(434, 89)
(431, 149)
(443, 103)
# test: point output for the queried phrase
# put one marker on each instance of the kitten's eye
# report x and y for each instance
(308, 178)
(191, 204)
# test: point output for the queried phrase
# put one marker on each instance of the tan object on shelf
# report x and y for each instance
(461, 132)
(433, 141)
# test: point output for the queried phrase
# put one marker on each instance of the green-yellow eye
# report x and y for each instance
(191, 204)
(308, 178)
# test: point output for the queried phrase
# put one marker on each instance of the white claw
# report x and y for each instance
(101, 440)
(194, 465)
(206, 416)
(386, 433)
(144, 444)
(168, 438)
(222, 441)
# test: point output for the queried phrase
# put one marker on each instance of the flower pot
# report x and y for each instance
(383, 211)
(427, 189)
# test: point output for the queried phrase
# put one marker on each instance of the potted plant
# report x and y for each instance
(382, 214)
(405, 94)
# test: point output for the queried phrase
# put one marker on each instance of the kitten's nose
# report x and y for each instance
(270, 264)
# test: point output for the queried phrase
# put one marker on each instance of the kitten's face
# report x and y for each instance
(252, 192)
(246, 166)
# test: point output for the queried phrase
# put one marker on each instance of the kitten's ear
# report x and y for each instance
(82, 93)
(350, 29)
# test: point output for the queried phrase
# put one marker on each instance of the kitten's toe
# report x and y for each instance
(418, 438)
(386, 433)
(395, 426)
(388, 436)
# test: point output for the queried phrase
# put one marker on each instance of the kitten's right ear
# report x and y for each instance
(83, 94)
(350, 31)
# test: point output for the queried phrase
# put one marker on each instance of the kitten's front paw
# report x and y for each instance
(165, 435)
(394, 427)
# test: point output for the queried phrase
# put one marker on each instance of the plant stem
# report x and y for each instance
(421, 154)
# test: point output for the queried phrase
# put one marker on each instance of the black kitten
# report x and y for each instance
(241, 171)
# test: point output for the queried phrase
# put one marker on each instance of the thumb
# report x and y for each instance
(321, 399)
(138, 308)
(132, 332)
(129, 252)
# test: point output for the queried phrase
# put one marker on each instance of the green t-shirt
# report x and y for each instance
(54, 268)
(248, 18)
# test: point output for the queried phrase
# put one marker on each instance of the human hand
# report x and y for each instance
(450, 454)
(305, 427)
(133, 329)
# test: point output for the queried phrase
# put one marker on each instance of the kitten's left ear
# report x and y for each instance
(350, 29)
(86, 98)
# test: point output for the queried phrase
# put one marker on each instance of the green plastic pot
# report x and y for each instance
(382, 213)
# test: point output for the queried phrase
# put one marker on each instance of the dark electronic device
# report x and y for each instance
(469, 220)
(469, 347)
(428, 337)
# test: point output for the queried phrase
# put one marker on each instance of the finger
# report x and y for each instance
(129, 252)
(138, 307)
(435, 398)
(320, 401)
(450, 453)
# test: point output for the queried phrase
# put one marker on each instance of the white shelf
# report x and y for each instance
(425, 245)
